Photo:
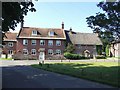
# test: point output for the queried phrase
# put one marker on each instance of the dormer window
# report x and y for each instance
(51, 33)
(34, 32)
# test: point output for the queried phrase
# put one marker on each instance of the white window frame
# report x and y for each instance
(42, 42)
(50, 52)
(58, 52)
(33, 42)
(26, 51)
(10, 44)
(58, 43)
(10, 52)
(51, 33)
(34, 32)
(79, 46)
(25, 42)
(50, 42)
(33, 51)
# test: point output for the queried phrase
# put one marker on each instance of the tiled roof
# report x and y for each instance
(85, 38)
(26, 32)
(10, 36)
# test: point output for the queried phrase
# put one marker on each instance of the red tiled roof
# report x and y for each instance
(10, 36)
(26, 32)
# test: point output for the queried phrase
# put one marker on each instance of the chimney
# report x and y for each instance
(62, 25)
(70, 32)
(70, 29)
(22, 24)
(97, 31)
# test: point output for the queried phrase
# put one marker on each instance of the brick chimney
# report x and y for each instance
(70, 31)
(97, 31)
(62, 25)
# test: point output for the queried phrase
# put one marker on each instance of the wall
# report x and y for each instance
(20, 47)
(6, 48)
(79, 49)
(115, 50)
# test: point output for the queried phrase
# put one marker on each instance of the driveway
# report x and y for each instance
(18, 75)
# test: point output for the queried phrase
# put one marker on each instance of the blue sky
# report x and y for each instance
(52, 14)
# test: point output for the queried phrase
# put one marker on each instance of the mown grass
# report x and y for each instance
(5, 58)
(103, 72)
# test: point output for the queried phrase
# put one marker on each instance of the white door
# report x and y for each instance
(41, 56)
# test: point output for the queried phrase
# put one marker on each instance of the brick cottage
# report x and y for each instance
(45, 43)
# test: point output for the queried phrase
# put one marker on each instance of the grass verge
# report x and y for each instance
(5, 58)
(103, 72)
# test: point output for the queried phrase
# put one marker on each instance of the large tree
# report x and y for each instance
(13, 13)
(107, 24)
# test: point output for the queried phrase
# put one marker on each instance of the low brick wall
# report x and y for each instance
(24, 57)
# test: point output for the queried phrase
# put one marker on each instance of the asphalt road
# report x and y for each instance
(21, 76)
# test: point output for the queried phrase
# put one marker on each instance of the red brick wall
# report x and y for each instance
(6, 48)
(20, 46)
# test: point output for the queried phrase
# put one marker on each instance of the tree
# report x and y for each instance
(107, 50)
(70, 48)
(13, 13)
(107, 23)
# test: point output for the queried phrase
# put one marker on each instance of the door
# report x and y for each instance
(41, 56)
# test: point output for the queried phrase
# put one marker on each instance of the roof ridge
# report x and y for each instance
(42, 28)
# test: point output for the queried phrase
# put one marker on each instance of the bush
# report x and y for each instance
(100, 57)
(107, 50)
(68, 55)
(74, 56)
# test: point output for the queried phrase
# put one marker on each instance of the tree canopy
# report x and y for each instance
(14, 12)
(70, 48)
(107, 24)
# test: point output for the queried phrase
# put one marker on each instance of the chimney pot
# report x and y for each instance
(62, 25)
(70, 29)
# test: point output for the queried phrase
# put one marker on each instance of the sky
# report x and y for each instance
(52, 14)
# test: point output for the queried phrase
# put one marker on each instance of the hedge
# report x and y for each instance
(74, 56)
(100, 57)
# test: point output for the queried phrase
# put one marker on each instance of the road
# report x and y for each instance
(18, 75)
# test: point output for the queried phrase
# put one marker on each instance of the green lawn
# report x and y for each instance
(104, 72)
(5, 58)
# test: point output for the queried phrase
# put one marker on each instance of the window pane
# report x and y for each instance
(58, 43)
(33, 51)
(42, 42)
(33, 42)
(10, 44)
(25, 42)
(10, 52)
(34, 32)
(58, 52)
(25, 51)
(50, 51)
(50, 42)
(51, 33)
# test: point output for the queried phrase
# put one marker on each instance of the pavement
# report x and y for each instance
(18, 74)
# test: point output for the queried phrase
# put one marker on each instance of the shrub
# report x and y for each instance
(100, 57)
(74, 56)
(70, 48)
(68, 55)
(107, 50)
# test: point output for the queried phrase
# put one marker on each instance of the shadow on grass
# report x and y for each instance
(107, 75)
